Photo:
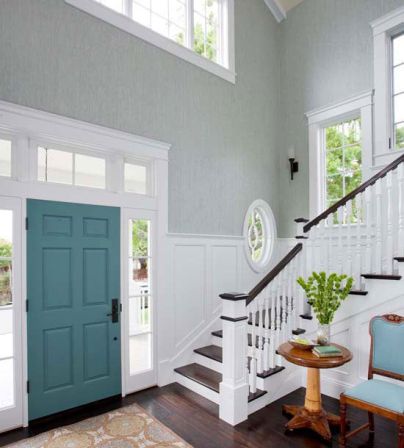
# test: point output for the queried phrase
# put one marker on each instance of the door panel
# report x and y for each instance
(73, 264)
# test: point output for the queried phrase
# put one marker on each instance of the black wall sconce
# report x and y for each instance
(294, 166)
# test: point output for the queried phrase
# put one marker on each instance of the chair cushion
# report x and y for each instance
(380, 393)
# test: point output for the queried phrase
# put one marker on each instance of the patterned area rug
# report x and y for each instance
(128, 427)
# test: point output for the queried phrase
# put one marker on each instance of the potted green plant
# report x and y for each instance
(325, 293)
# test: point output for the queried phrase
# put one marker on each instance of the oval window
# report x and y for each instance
(259, 234)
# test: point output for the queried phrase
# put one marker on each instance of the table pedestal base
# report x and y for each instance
(318, 421)
(312, 415)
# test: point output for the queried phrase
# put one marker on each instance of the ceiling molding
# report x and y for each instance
(277, 10)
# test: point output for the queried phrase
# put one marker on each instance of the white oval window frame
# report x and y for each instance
(270, 233)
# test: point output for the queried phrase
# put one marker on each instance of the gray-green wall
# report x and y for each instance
(56, 58)
(326, 49)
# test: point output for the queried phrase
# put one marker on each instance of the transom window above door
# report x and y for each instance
(343, 159)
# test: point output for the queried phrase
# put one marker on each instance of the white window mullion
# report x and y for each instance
(190, 24)
(128, 8)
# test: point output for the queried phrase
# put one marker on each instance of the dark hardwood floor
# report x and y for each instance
(195, 419)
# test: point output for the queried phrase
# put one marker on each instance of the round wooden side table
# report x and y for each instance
(312, 415)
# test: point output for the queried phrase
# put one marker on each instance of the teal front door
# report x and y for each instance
(73, 287)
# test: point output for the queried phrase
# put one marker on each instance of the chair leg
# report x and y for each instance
(401, 436)
(342, 414)
(371, 422)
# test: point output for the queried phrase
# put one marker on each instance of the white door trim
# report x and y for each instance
(13, 417)
(24, 125)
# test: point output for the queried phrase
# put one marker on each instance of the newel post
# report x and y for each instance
(234, 388)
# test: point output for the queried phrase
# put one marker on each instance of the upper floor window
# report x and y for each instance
(343, 159)
(398, 90)
(388, 66)
(203, 26)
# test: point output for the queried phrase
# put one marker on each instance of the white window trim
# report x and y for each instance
(383, 29)
(318, 119)
(226, 71)
(270, 233)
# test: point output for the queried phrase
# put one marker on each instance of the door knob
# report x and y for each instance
(114, 314)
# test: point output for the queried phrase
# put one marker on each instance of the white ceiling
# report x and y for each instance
(287, 5)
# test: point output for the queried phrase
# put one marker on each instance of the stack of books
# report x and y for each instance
(326, 351)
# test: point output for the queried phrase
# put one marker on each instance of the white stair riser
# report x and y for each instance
(197, 388)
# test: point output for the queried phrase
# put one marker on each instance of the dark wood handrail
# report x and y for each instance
(353, 193)
(275, 271)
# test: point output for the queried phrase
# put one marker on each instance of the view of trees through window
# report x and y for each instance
(6, 250)
(343, 159)
(170, 18)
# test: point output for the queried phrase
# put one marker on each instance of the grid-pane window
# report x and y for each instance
(69, 168)
(343, 159)
(140, 296)
(5, 157)
(398, 90)
(196, 24)
(166, 17)
(7, 389)
(206, 28)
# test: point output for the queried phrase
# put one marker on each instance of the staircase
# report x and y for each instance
(362, 235)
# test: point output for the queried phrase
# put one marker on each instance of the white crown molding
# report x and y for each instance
(277, 10)
(40, 124)
(388, 21)
(347, 105)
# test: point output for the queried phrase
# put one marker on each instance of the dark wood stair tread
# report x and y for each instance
(399, 259)
(382, 276)
(209, 378)
(216, 353)
(202, 375)
(211, 351)
(306, 316)
(298, 331)
(358, 292)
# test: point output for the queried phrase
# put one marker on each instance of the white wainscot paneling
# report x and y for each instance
(224, 268)
(201, 268)
(352, 331)
(189, 290)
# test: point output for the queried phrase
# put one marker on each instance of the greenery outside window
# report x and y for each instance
(343, 159)
(195, 24)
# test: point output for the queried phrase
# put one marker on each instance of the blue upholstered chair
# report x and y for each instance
(377, 396)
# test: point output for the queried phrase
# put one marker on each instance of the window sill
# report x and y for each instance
(128, 25)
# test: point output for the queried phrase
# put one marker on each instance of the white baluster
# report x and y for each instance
(348, 267)
(358, 263)
(330, 252)
(272, 349)
(253, 363)
(323, 249)
(340, 213)
(388, 260)
(291, 295)
(400, 195)
(378, 217)
(278, 313)
(260, 333)
(369, 193)
(284, 327)
(267, 325)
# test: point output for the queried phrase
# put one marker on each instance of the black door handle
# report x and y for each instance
(114, 314)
